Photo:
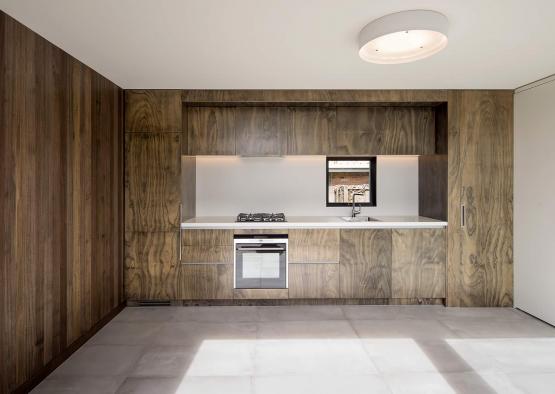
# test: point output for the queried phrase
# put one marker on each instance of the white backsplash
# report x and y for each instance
(296, 185)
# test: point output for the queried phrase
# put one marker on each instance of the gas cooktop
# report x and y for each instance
(261, 217)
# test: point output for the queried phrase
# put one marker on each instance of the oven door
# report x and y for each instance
(260, 264)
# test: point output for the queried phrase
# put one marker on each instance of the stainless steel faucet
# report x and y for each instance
(356, 211)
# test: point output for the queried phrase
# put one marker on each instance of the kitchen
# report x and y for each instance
(275, 207)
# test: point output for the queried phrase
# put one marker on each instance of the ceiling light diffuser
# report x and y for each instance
(403, 37)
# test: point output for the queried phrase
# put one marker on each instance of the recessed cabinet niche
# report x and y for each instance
(310, 130)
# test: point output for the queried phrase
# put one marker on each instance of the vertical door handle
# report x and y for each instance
(180, 231)
(463, 216)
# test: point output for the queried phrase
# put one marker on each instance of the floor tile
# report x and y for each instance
(415, 329)
(473, 382)
(533, 383)
(165, 361)
(193, 333)
(126, 333)
(477, 313)
(312, 357)
(397, 355)
(79, 385)
(149, 386)
(147, 314)
(215, 385)
(418, 383)
(489, 328)
(223, 357)
(321, 384)
(219, 314)
(301, 312)
(100, 360)
(306, 329)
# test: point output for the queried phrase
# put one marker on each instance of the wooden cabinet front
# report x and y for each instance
(419, 259)
(314, 280)
(262, 131)
(314, 246)
(205, 281)
(211, 131)
(152, 181)
(207, 247)
(365, 263)
(385, 131)
(313, 131)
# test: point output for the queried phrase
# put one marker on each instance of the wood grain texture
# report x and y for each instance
(313, 131)
(152, 181)
(385, 131)
(480, 265)
(151, 266)
(418, 263)
(262, 131)
(322, 96)
(211, 131)
(260, 294)
(188, 187)
(365, 263)
(207, 237)
(313, 246)
(205, 282)
(153, 110)
(432, 186)
(207, 254)
(313, 280)
(60, 162)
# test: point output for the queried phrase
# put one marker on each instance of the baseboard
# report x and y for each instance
(64, 355)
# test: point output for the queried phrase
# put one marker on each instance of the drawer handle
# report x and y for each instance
(463, 216)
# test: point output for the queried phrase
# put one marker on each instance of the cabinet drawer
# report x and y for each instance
(314, 246)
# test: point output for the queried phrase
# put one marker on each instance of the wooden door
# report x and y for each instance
(313, 131)
(365, 263)
(262, 131)
(480, 184)
(211, 131)
(418, 263)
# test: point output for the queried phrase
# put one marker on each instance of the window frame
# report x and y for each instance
(371, 181)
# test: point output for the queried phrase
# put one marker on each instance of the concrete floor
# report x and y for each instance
(313, 349)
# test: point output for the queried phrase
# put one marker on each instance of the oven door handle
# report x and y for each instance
(260, 249)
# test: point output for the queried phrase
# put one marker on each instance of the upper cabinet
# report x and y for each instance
(211, 131)
(153, 111)
(313, 131)
(385, 130)
(310, 130)
(262, 131)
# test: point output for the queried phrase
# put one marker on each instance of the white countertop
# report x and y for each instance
(228, 222)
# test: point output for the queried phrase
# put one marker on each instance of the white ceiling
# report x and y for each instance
(291, 44)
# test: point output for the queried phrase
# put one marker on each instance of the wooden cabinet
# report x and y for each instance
(365, 263)
(262, 131)
(385, 131)
(480, 270)
(313, 280)
(207, 247)
(314, 246)
(205, 281)
(151, 265)
(211, 131)
(313, 131)
(418, 263)
(153, 111)
(152, 181)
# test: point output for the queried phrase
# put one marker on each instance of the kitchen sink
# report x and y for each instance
(359, 219)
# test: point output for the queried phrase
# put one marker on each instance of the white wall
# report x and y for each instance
(534, 200)
(296, 185)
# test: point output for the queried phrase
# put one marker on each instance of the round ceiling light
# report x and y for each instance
(403, 37)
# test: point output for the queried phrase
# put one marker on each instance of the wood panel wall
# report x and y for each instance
(61, 204)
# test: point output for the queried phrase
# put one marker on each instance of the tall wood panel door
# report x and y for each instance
(152, 181)
(365, 263)
(480, 252)
(153, 111)
(262, 131)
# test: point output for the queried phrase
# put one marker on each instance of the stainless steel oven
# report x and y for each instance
(260, 261)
